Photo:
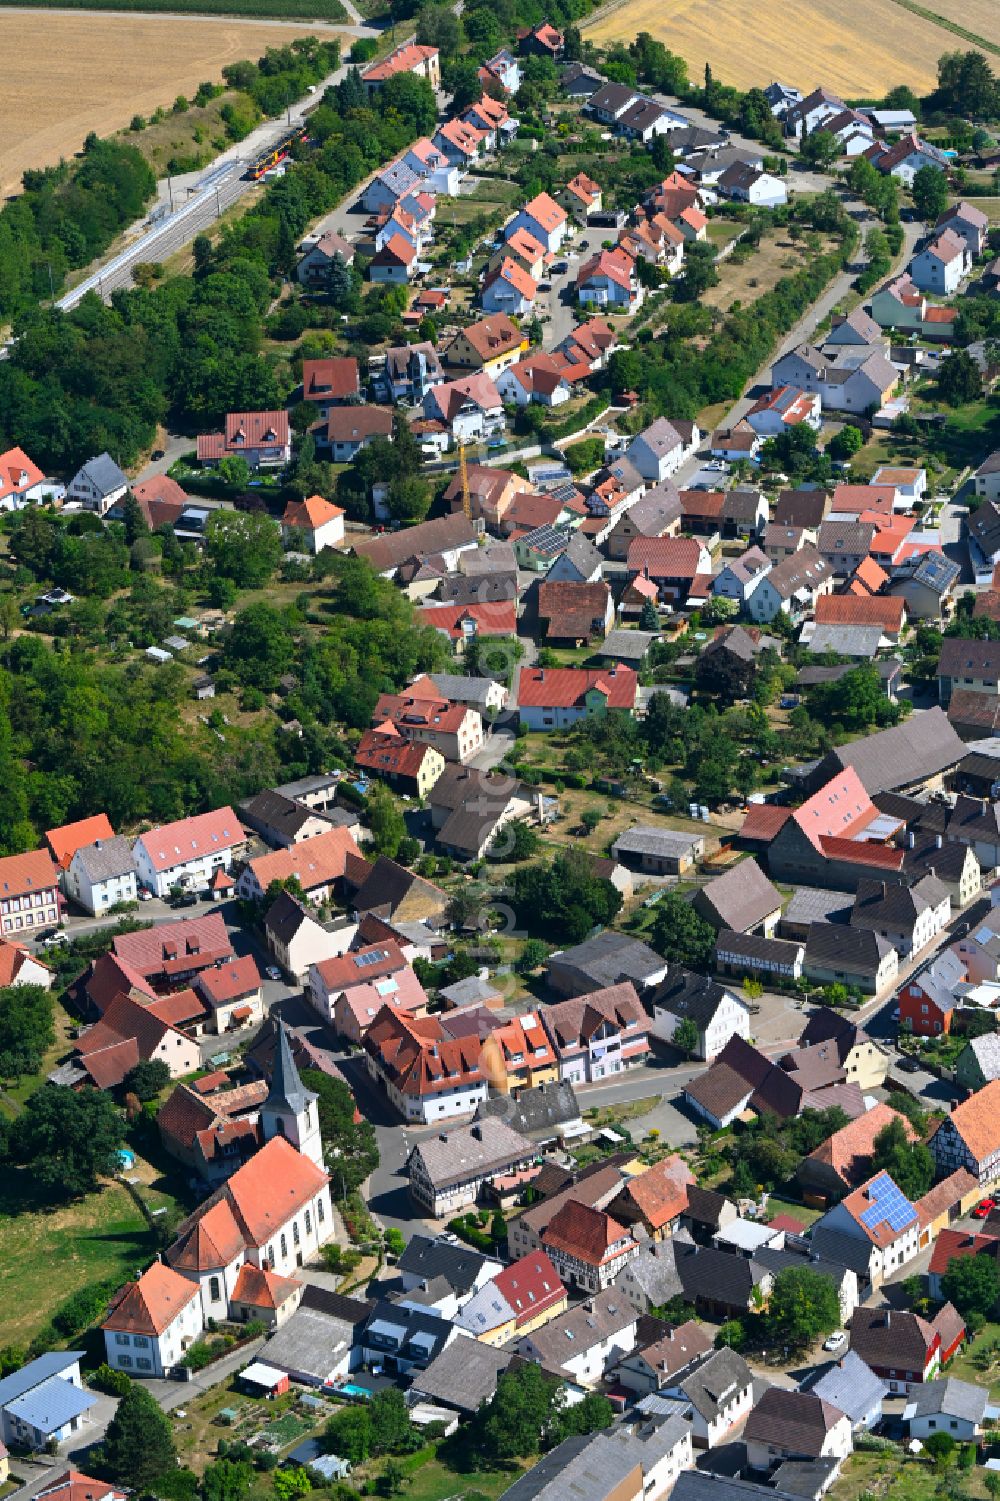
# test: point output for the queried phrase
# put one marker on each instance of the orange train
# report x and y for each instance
(277, 153)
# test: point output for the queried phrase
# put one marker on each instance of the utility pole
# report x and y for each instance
(170, 190)
(218, 205)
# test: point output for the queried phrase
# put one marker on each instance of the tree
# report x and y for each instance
(803, 1307)
(649, 619)
(516, 841)
(68, 1139)
(235, 471)
(439, 26)
(391, 1427)
(461, 77)
(385, 821)
(147, 1078)
(348, 1434)
(590, 818)
(930, 193)
(226, 1480)
(909, 1164)
(139, 1447)
(259, 648)
(661, 156)
(392, 1478)
(512, 1423)
(134, 520)
(350, 1145)
(820, 149)
(699, 272)
(564, 899)
(972, 1283)
(959, 381)
(940, 1447)
(731, 1335)
(532, 956)
(26, 1029)
(682, 935)
(244, 546)
(686, 1036)
(846, 443)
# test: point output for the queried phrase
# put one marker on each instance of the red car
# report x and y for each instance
(983, 1208)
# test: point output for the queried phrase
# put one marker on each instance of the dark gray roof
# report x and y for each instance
(655, 1270)
(721, 1276)
(950, 1397)
(106, 858)
(276, 811)
(705, 1206)
(104, 474)
(851, 1385)
(806, 1478)
(880, 904)
(857, 951)
(428, 1258)
(609, 958)
(626, 646)
(582, 553)
(860, 641)
(739, 899)
(753, 946)
(464, 1374)
(703, 1485)
(710, 1382)
(653, 512)
(284, 917)
(465, 689)
(412, 1330)
(535, 1112)
(919, 747)
(287, 1092)
(691, 996)
(810, 904)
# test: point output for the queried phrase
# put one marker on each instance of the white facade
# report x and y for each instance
(883, 1261)
(731, 1019)
(588, 1365)
(155, 1354)
(429, 1109)
(932, 273)
(97, 896)
(837, 1444)
(194, 875)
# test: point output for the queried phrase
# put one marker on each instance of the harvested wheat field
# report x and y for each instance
(858, 50)
(68, 74)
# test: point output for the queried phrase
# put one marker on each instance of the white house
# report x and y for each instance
(22, 482)
(609, 279)
(880, 1222)
(298, 941)
(941, 265)
(312, 525)
(947, 1405)
(102, 874)
(738, 579)
(187, 853)
(153, 1322)
(544, 219)
(660, 449)
(717, 1013)
(43, 1400)
(587, 1340)
(719, 1388)
(783, 408)
(98, 484)
(789, 1425)
(471, 408)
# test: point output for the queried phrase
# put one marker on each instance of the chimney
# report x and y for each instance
(97, 844)
(938, 841)
(911, 840)
(883, 890)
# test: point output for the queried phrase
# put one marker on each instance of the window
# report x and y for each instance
(141, 1340)
(122, 1339)
(124, 1360)
(284, 1245)
(320, 1211)
(309, 1224)
(295, 1231)
(144, 1363)
(213, 1289)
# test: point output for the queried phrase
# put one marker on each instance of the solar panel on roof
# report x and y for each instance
(889, 1205)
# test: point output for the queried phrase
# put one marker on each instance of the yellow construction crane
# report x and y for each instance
(463, 469)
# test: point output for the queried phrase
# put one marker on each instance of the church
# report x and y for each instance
(235, 1258)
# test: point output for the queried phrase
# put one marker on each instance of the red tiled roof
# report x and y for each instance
(563, 687)
(311, 514)
(841, 808)
(13, 955)
(763, 821)
(530, 1285)
(150, 1305)
(861, 852)
(227, 982)
(191, 942)
(492, 618)
(404, 60)
(316, 862)
(584, 1233)
(259, 1287)
(882, 610)
(331, 379)
(18, 472)
(65, 841)
(665, 557)
(952, 1245)
(173, 844)
(23, 875)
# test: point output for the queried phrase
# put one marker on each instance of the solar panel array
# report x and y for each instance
(889, 1206)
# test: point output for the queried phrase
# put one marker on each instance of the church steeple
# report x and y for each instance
(290, 1108)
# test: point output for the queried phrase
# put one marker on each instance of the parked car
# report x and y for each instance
(836, 1341)
(185, 899)
(273, 972)
(909, 1065)
(983, 1208)
(144, 895)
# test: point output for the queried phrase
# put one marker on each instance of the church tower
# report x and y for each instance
(290, 1109)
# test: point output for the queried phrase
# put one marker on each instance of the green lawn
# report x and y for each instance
(974, 1364)
(47, 1254)
(434, 1481)
(876, 1476)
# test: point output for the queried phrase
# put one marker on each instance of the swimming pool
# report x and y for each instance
(349, 1389)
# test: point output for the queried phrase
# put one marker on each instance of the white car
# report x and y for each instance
(273, 972)
(837, 1341)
